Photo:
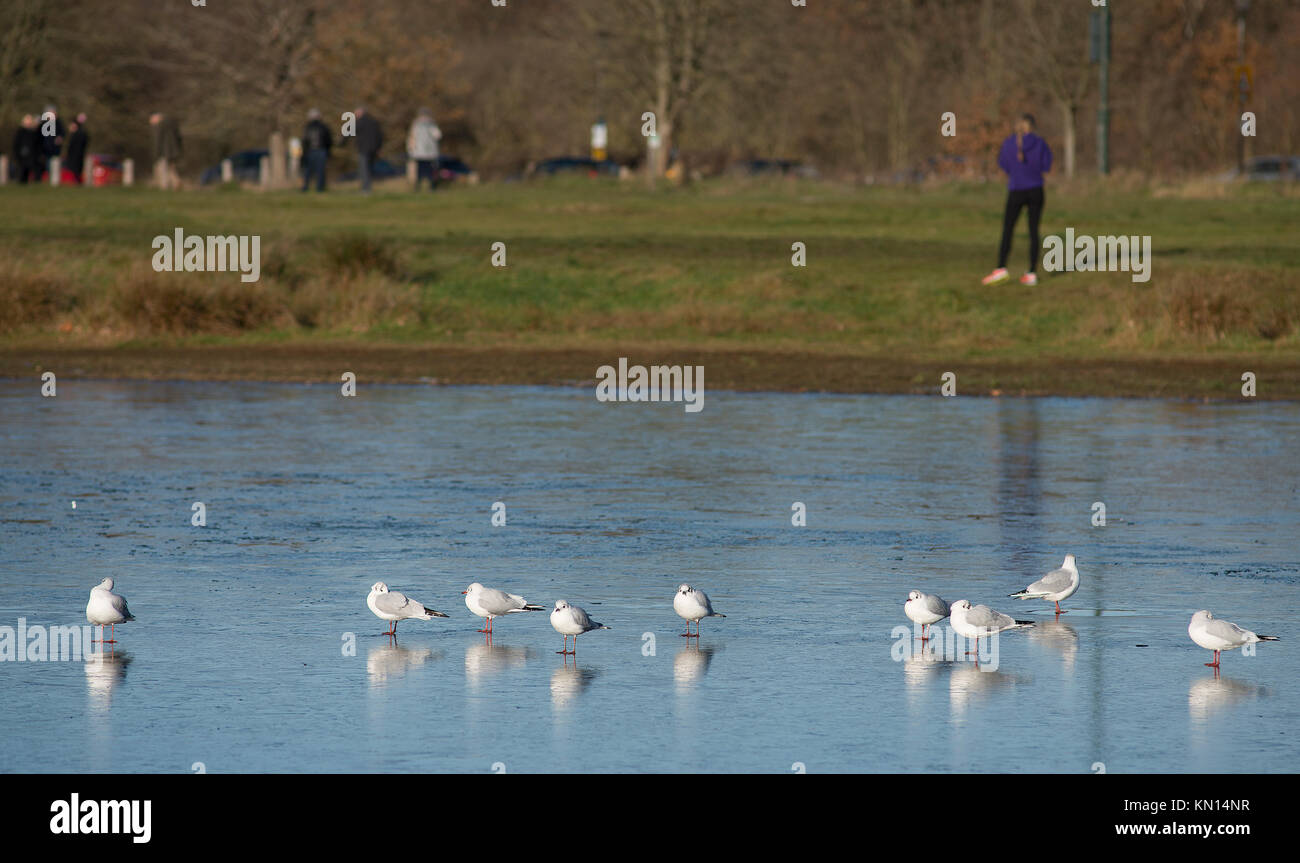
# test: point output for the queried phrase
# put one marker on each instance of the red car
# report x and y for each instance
(105, 171)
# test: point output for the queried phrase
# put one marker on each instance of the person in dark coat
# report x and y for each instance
(369, 139)
(78, 138)
(316, 144)
(28, 151)
(166, 150)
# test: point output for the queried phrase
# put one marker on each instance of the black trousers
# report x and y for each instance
(1016, 199)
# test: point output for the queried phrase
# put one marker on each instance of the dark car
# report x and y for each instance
(246, 165)
(775, 168)
(574, 164)
(382, 169)
(1268, 169)
(449, 169)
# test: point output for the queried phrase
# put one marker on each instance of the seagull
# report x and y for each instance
(492, 603)
(979, 621)
(1217, 635)
(693, 604)
(571, 620)
(393, 606)
(107, 608)
(1057, 585)
(925, 609)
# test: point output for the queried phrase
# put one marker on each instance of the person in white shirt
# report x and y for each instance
(422, 148)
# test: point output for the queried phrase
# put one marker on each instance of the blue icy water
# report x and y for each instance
(238, 658)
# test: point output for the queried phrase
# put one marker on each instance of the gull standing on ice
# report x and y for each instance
(1218, 635)
(107, 608)
(693, 604)
(980, 621)
(393, 606)
(492, 603)
(571, 620)
(925, 609)
(1057, 585)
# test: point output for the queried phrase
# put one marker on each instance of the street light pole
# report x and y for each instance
(1103, 109)
(1243, 6)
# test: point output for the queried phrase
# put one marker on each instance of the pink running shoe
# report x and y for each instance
(998, 275)
(1029, 279)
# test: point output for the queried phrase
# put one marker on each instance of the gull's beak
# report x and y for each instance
(463, 592)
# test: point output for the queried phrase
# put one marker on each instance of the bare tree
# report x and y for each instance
(1057, 48)
(665, 51)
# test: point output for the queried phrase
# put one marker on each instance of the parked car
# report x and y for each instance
(105, 170)
(246, 166)
(1270, 169)
(774, 168)
(574, 164)
(450, 169)
(381, 170)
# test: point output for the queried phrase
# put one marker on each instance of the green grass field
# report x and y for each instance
(595, 266)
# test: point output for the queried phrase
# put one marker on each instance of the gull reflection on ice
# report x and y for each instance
(689, 665)
(1059, 636)
(1211, 694)
(391, 661)
(968, 682)
(484, 660)
(569, 681)
(104, 671)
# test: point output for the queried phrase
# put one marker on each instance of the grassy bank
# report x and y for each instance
(890, 296)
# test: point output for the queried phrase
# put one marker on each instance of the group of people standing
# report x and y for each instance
(368, 137)
(39, 140)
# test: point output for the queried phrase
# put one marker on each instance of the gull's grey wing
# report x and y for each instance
(393, 602)
(584, 620)
(1054, 582)
(986, 618)
(1226, 630)
(119, 605)
(498, 601)
(935, 605)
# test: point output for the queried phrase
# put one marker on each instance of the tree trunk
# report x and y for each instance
(1069, 114)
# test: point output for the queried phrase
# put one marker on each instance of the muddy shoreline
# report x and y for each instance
(1217, 378)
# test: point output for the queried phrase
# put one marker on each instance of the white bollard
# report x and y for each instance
(128, 172)
(227, 170)
(4, 169)
(88, 172)
(56, 170)
(264, 171)
(411, 172)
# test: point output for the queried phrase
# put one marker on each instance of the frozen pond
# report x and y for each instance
(239, 657)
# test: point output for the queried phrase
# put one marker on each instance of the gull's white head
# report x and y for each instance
(963, 604)
(560, 603)
(473, 588)
(1202, 615)
(107, 584)
(379, 587)
(1069, 562)
(684, 588)
(915, 594)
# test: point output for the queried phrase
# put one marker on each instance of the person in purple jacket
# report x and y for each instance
(1025, 158)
